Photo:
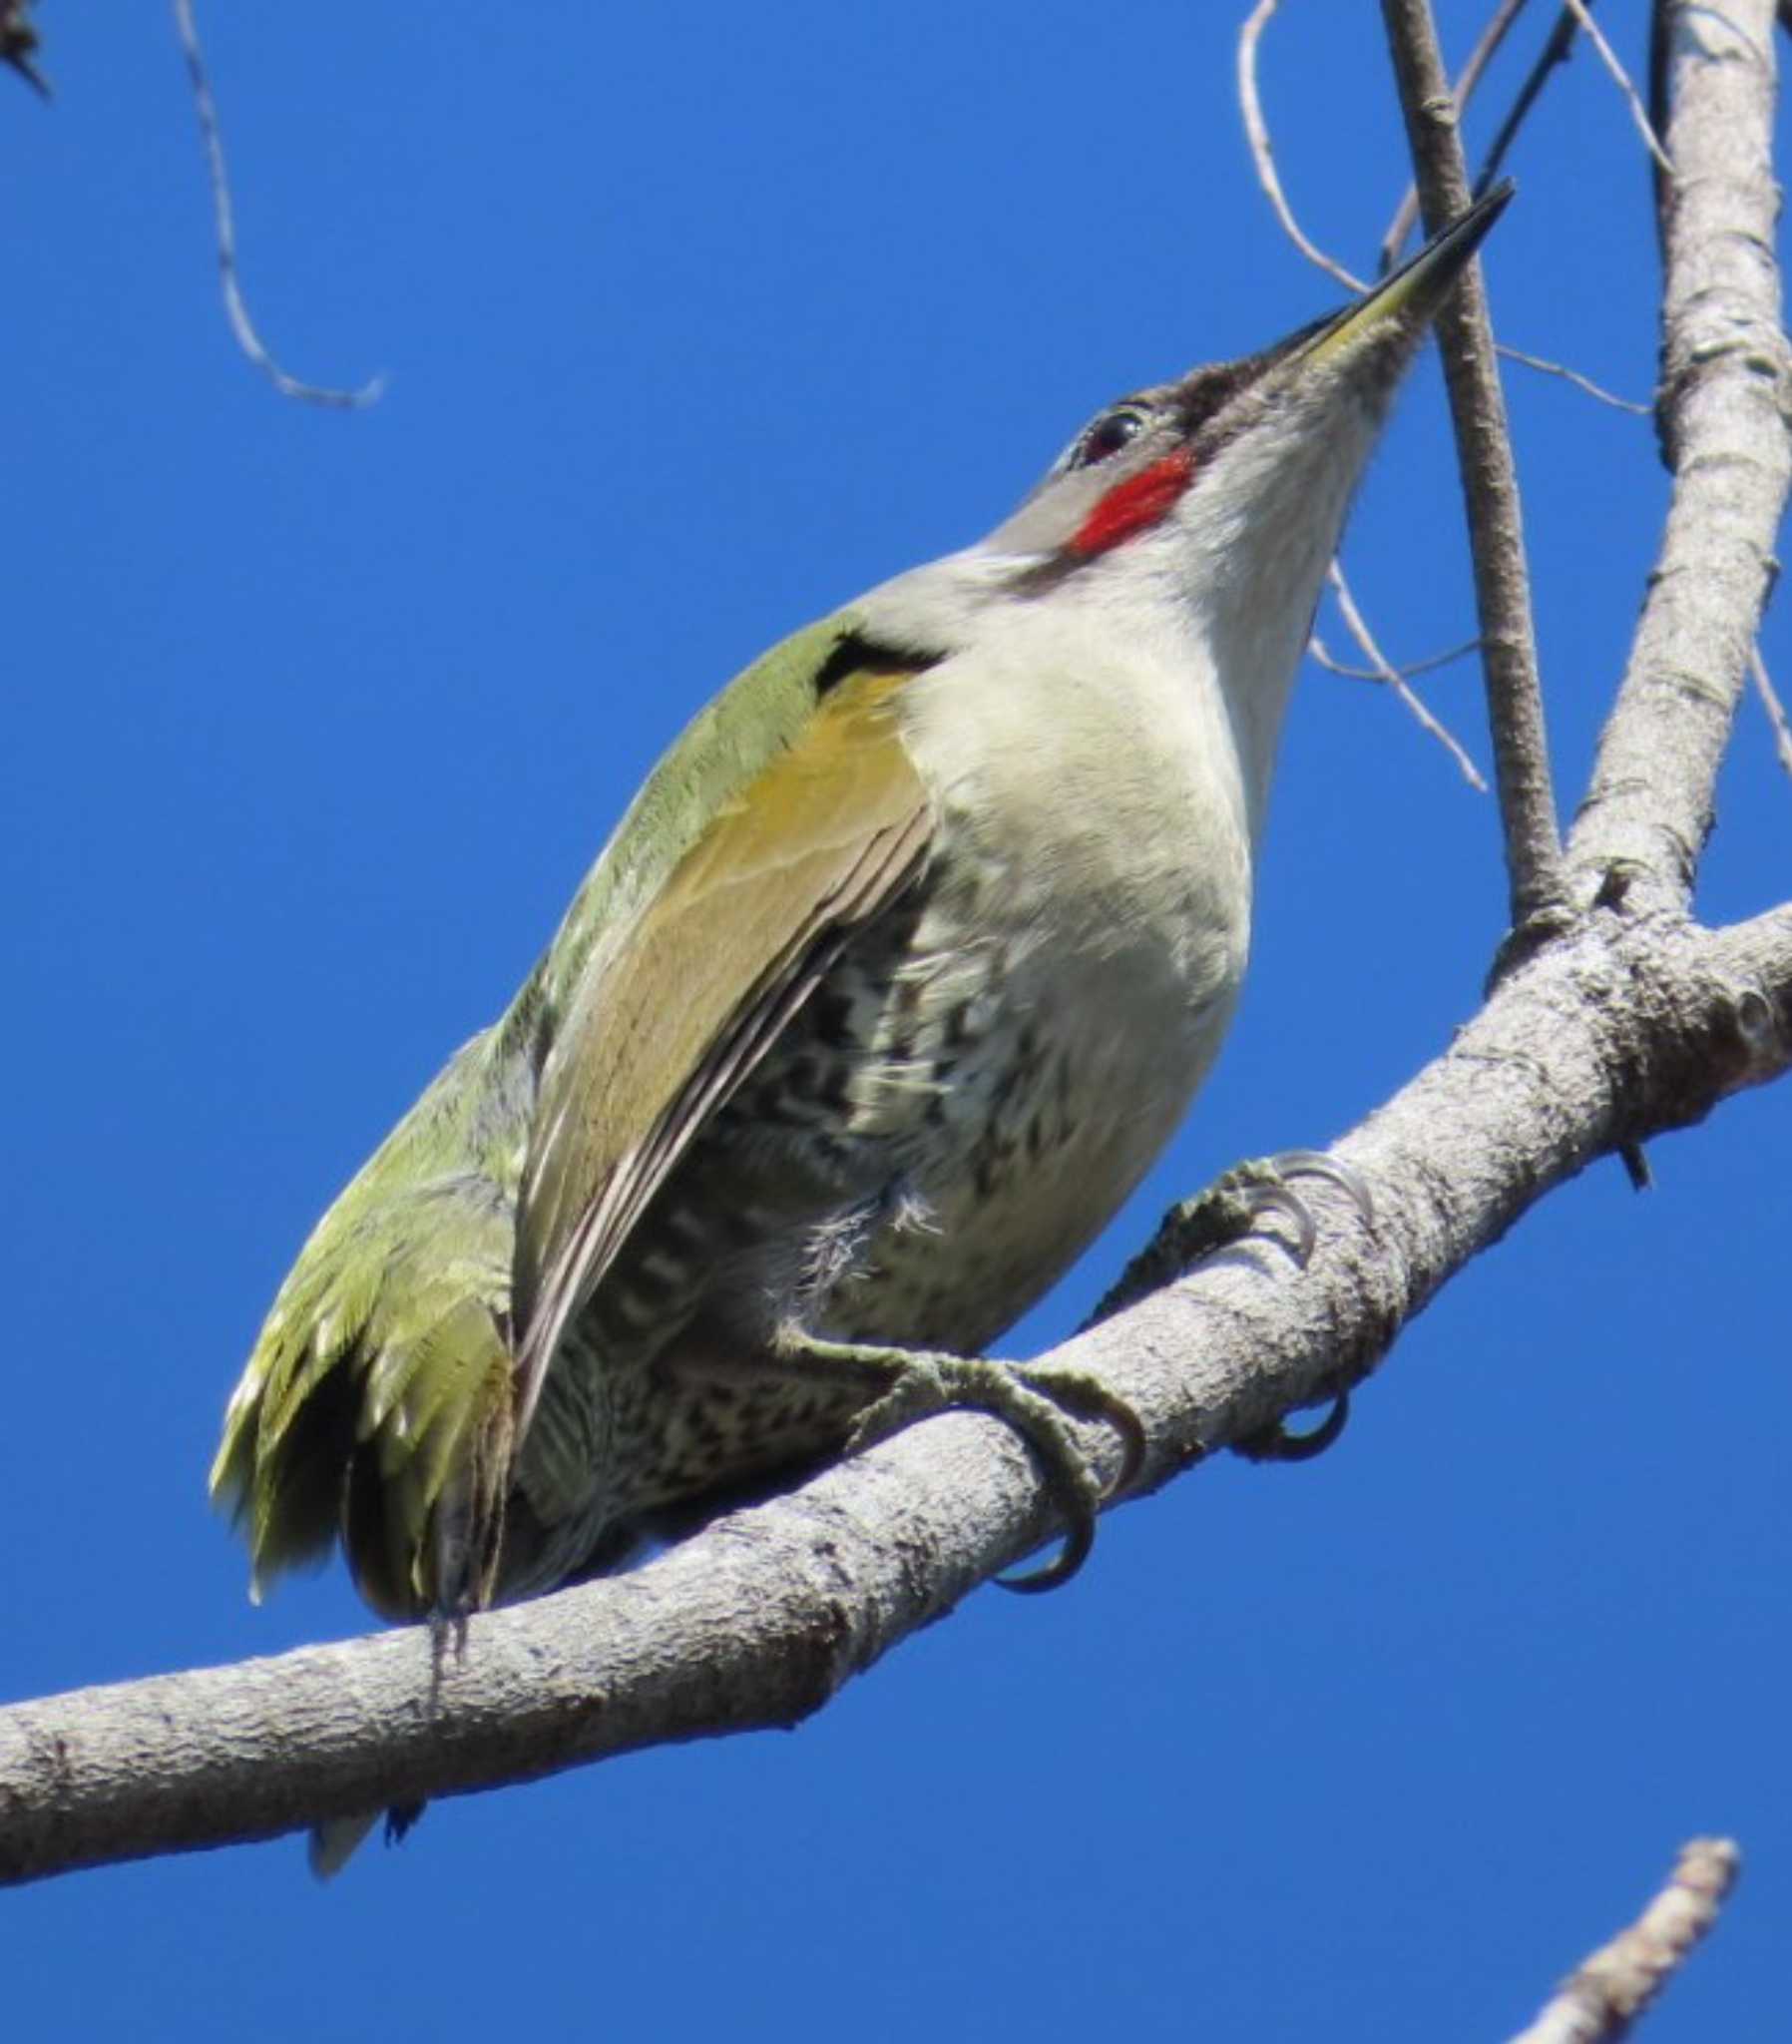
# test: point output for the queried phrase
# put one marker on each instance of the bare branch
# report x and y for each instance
(1480, 57)
(1726, 395)
(1621, 78)
(235, 305)
(1383, 670)
(1599, 2003)
(1556, 49)
(1490, 487)
(1256, 134)
(1775, 708)
(1322, 655)
(1574, 376)
(1623, 1029)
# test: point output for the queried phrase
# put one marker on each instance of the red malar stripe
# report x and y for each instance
(1137, 502)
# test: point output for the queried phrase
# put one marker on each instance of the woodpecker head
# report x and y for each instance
(1224, 491)
(1261, 453)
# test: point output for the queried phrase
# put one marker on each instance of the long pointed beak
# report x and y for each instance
(1404, 301)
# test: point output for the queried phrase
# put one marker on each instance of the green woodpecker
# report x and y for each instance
(893, 979)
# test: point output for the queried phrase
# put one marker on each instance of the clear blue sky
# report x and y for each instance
(697, 321)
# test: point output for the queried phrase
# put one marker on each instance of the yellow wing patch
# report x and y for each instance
(668, 1020)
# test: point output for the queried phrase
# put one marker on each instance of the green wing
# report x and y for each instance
(675, 1006)
(379, 1404)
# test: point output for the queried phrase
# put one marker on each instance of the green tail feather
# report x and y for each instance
(375, 1407)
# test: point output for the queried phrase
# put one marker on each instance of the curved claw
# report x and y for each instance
(1087, 1398)
(1228, 1211)
(1271, 1197)
(1262, 1187)
(1277, 1444)
(1079, 1540)
(1319, 1164)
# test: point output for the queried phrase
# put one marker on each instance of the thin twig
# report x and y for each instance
(236, 308)
(1557, 44)
(1322, 655)
(1386, 670)
(1480, 57)
(1256, 134)
(1621, 78)
(1776, 710)
(1574, 376)
(19, 43)
(1490, 489)
(1599, 2003)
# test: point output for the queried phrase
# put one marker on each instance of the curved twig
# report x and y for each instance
(1383, 670)
(1262, 156)
(1574, 376)
(229, 282)
(1622, 79)
(1322, 655)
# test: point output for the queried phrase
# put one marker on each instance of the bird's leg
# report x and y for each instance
(911, 1383)
(1231, 1209)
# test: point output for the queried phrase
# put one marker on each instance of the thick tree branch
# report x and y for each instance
(1627, 1027)
(1490, 487)
(1724, 409)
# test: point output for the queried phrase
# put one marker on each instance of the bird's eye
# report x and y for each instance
(1108, 435)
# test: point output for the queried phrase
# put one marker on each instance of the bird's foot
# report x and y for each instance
(1232, 1207)
(911, 1384)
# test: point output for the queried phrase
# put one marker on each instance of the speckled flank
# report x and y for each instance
(974, 1086)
